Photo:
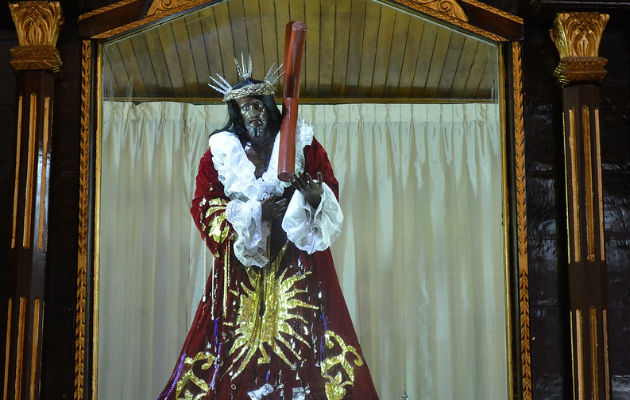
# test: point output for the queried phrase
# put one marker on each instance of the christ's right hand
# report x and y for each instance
(273, 207)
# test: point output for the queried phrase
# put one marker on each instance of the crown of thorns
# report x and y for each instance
(267, 87)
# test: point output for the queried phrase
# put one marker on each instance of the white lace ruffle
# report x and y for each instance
(251, 241)
(313, 230)
(237, 173)
(245, 191)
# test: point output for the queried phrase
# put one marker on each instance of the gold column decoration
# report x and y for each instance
(577, 36)
(38, 24)
(35, 60)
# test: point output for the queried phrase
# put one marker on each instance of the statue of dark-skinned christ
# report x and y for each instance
(272, 323)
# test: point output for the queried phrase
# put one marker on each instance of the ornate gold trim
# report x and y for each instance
(37, 24)
(447, 10)
(30, 170)
(42, 191)
(588, 176)
(521, 216)
(447, 7)
(34, 348)
(600, 193)
(162, 6)
(106, 8)
(573, 69)
(42, 57)
(17, 170)
(79, 354)
(19, 363)
(149, 19)
(7, 349)
(577, 36)
(415, 5)
(577, 248)
(183, 5)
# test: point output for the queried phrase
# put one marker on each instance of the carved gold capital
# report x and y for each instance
(38, 24)
(580, 69)
(577, 36)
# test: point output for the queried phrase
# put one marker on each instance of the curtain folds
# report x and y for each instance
(152, 260)
(420, 257)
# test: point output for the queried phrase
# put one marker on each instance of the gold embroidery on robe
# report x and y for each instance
(207, 360)
(335, 385)
(219, 229)
(277, 295)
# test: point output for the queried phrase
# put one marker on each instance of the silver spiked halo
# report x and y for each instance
(267, 87)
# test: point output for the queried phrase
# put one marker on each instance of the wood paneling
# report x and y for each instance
(355, 49)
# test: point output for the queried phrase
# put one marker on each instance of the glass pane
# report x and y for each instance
(408, 112)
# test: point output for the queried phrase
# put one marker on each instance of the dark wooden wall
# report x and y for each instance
(546, 218)
(615, 113)
(544, 166)
(545, 202)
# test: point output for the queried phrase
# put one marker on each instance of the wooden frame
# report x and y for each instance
(469, 16)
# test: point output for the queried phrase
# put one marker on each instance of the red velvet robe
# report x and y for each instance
(278, 332)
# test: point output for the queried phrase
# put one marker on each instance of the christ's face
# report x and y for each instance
(254, 114)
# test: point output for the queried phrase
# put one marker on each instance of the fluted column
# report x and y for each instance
(35, 60)
(577, 36)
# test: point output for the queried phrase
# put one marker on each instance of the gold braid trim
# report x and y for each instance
(79, 351)
(521, 215)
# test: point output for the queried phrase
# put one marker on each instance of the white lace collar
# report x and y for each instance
(237, 173)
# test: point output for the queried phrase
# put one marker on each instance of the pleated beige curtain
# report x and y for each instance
(152, 260)
(420, 258)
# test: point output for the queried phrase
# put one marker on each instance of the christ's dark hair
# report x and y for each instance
(235, 122)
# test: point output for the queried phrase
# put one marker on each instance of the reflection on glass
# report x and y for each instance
(416, 148)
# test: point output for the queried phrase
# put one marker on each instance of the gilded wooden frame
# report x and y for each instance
(514, 204)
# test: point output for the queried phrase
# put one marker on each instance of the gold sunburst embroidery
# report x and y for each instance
(277, 295)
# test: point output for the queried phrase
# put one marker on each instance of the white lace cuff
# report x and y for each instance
(251, 233)
(313, 230)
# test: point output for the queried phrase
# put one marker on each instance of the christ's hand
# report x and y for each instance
(310, 189)
(273, 207)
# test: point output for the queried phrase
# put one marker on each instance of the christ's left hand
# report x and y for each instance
(311, 190)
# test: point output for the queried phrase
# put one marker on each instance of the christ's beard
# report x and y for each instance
(256, 130)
